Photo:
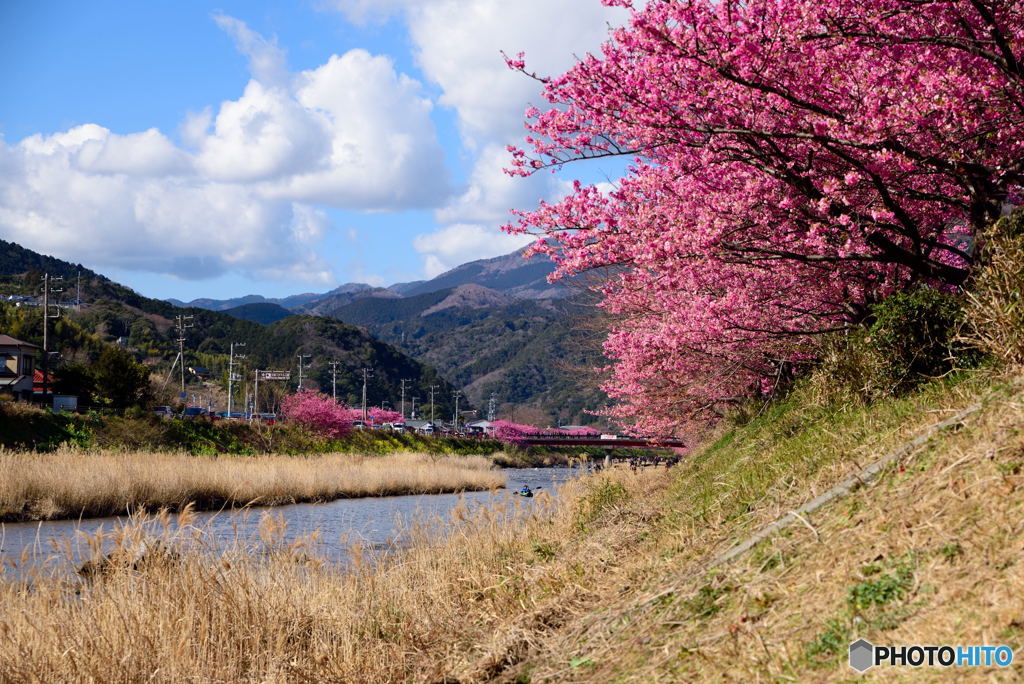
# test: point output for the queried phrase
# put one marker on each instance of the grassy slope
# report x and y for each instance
(930, 554)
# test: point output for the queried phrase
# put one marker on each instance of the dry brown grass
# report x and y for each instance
(463, 608)
(995, 300)
(72, 483)
(607, 582)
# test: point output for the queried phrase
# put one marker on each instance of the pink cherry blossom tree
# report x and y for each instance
(794, 161)
(515, 433)
(317, 412)
(379, 416)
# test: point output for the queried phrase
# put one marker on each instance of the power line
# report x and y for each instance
(334, 380)
(432, 388)
(367, 373)
(403, 397)
(231, 372)
(302, 366)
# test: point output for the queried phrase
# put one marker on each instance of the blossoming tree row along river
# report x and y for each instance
(794, 162)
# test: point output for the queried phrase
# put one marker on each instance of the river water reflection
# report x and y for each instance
(375, 522)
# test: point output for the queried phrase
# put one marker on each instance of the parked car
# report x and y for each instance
(358, 424)
(193, 412)
(427, 429)
(398, 427)
(163, 411)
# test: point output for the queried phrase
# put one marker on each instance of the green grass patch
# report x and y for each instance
(601, 497)
(791, 441)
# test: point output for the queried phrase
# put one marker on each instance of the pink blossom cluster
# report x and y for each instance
(513, 433)
(317, 412)
(793, 162)
(375, 415)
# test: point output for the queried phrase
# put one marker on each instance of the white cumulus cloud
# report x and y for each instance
(491, 193)
(458, 45)
(180, 225)
(383, 151)
(353, 133)
(461, 242)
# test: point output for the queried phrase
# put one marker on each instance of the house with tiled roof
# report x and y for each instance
(17, 367)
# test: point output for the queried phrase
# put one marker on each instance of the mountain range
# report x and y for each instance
(511, 274)
(492, 328)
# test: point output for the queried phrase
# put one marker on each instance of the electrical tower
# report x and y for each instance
(403, 397)
(455, 416)
(181, 324)
(492, 404)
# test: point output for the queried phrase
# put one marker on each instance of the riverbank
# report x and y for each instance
(619, 578)
(70, 483)
(25, 427)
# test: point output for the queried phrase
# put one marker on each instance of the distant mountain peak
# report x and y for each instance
(512, 276)
(471, 296)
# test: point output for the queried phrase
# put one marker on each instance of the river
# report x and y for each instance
(376, 523)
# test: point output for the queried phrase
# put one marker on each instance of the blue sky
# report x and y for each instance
(193, 149)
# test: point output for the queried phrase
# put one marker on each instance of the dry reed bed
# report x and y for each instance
(460, 607)
(71, 483)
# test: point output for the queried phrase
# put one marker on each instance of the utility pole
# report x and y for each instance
(182, 324)
(432, 388)
(403, 398)
(301, 364)
(367, 372)
(46, 330)
(334, 380)
(231, 373)
(78, 297)
(455, 416)
(491, 405)
(412, 413)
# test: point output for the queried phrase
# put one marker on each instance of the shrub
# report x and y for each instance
(126, 432)
(913, 336)
(908, 338)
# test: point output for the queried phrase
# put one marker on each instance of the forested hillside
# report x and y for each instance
(113, 313)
